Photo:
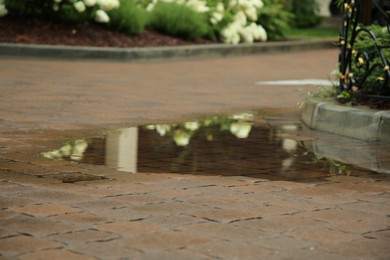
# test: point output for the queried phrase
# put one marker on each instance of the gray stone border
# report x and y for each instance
(355, 122)
(159, 53)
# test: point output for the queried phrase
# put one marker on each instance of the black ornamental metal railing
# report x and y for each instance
(365, 49)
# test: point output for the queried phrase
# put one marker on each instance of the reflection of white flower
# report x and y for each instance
(66, 150)
(101, 17)
(163, 129)
(289, 145)
(191, 126)
(240, 129)
(3, 10)
(181, 138)
(79, 6)
(56, 7)
(290, 127)
(243, 116)
(287, 163)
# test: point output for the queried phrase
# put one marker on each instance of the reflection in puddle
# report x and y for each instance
(237, 145)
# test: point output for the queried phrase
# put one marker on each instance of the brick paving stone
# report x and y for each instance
(224, 232)
(83, 236)
(112, 249)
(40, 227)
(380, 234)
(129, 228)
(227, 215)
(54, 254)
(361, 248)
(352, 221)
(164, 215)
(49, 209)
(13, 246)
(276, 226)
(322, 236)
(232, 250)
(168, 240)
(80, 218)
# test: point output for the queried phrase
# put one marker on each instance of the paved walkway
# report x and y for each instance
(164, 216)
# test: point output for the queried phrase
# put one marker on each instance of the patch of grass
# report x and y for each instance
(179, 20)
(128, 18)
(294, 33)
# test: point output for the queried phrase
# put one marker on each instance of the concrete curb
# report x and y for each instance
(359, 123)
(159, 53)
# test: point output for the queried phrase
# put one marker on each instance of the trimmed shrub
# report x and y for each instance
(128, 18)
(178, 20)
(305, 13)
(275, 19)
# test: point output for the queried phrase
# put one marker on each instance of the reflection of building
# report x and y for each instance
(121, 149)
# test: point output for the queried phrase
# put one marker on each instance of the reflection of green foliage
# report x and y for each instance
(239, 125)
(364, 43)
(73, 150)
(335, 168)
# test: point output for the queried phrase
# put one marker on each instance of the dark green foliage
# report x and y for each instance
(44, 9)
(275, 19)
(128, 18)
(364, 43)
(179, 20)
(305, 13)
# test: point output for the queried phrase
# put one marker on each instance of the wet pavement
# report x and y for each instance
(65, 209)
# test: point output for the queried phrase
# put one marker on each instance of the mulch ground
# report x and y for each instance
(36, 31)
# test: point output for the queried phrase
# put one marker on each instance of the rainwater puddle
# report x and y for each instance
(243, 144)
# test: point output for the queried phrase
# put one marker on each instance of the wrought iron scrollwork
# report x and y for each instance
(356, 66)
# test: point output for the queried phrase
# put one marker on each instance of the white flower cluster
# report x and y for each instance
(244, 27)
(196, 5)
(103, 6)
(3, 9)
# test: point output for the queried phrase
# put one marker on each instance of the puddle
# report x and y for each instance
(238, 145)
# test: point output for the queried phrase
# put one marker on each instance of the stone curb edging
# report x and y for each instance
(157, 53)
(359, 123)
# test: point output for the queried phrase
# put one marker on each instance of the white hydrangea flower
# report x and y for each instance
(101, 16)
(197, 5)
(150, 7)
(220, 7)
(79, 6)
(240, 18)
(259, 33)
(90, 3)
(257, 3)
(246, 35)
(216, 17)
(232, 3)
(251, 13)
(107, 5)
(3, 10)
